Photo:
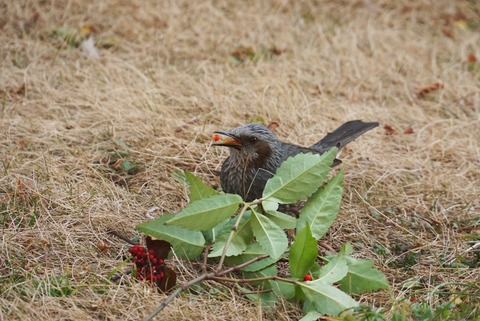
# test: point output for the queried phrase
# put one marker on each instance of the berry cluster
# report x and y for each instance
(149, 266)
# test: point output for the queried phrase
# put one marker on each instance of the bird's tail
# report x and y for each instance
(343, 135)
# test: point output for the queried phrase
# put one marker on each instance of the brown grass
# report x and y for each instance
(169, 81)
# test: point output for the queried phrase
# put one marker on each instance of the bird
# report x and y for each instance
(256, 153)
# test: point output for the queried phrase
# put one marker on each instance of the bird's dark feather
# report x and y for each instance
(247, 169)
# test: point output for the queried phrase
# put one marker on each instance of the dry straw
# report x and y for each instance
(170, 80)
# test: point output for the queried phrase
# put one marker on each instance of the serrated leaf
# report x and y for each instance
(252, 251)
(311, 316)
(326, 298)
(320, 210)
(266, 272)
(283, 220)
(303, 253)
(206, 213)
(186, 244)
(298, 177)
(241, 238)
(283, 289)
(335, 270)
(197, 189)
(270, 236)
(361, 277)
(264, 299)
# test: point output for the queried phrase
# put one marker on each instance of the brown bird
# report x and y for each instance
(256, 153)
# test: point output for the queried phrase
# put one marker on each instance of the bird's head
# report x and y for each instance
(252, 143)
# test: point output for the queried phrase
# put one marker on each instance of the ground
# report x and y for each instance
(90, 144)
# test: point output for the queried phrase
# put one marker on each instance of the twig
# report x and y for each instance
(205, 276)
(232, 233)
(122, 237)
(172, 296)
(205, 257)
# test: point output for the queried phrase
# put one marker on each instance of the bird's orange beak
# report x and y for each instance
(225, 138)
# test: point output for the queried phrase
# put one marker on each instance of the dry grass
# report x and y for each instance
(169, 81)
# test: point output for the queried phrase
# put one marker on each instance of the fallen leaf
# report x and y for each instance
(14, 91)
(389, 130)
(448, 32)
(408, 131)
(471, 58)
(242, 53)
(273, 125)
(102, 246)
(424, 90)
(275, 51)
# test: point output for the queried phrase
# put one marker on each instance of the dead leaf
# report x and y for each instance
(14, 91)
(168, 281)
(103, 246)
(243, 53)
(275, 51)
(422, 91)
(273, 125)
(408, 131)
(389, 130)
(448, 32)
(471, 58)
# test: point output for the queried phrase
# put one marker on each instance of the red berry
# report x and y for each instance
(160, 261)
(154, 260)
(307, 277)
(151, 251)
(216, 138)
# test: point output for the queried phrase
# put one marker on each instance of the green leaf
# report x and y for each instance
(269, 205)
(206, 213)
(282, 220)
(283, 289)
(264, 299)
(185, 243)
(303, 253)
(335, 270)
(241, 238)
(252, 251)
(299, 177)
(266, 272)
(122, 144)
(311, 316)
(197, 189)
(128, 166)
(270, 236)
(326, 298)
(320, 210)
(361, 277)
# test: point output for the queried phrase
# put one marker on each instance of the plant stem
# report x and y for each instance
(265, 278)
(204, 276)
(232, 233)
(174, 294)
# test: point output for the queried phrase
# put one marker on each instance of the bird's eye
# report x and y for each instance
(253, 139)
